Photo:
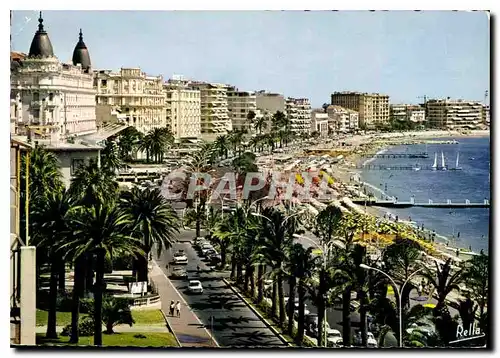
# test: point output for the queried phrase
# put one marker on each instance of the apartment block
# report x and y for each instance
(407, 112)
(183, 109)
(215, 119)
(373, 108)
(454, 113)
(240, 104)
(342, 119)
(486, 115)
(269, 103)
(298, 111)
(319, 122)
(138, 96)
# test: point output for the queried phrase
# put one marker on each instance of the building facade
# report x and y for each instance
(135, 94)
(454, 114)
(239, 105)
(214, 110)
(319, 123)
(407, 113)
(183, 109)
(486, 115)
(51, 99)
(373, 108)
(268, 104)
(342, 119)
(298, 111)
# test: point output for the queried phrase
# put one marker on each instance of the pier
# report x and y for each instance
(401, 167)
(430, 204)
(395, 155)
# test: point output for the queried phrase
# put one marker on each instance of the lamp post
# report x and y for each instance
(398, 291)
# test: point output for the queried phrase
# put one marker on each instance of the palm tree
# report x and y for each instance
(400, 259)
(444, 280)
(222, 146)
(259, 123)
(128, 142)
(477, 278)
(52, 228)
(277, 238)
(153, 220)
(92, 184)
(110, 156)
(102, 230)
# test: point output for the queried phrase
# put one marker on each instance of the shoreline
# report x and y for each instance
(343, 173)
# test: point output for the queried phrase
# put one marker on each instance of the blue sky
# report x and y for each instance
(404, 54)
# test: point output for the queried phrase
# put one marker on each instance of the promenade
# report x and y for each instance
(188, 329)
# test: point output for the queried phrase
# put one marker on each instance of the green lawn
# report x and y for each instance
(131, 339)
(148, 317)
(64, 318)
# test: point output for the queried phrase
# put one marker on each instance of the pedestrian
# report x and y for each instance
(420, 289)
(458, 235)
(172, 308)
(178, 308)
(458, 252)
(166, 266)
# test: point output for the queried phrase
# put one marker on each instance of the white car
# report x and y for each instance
(334, 337)
(195, 287)
(205, 248)
(371, 342)
(180, 258)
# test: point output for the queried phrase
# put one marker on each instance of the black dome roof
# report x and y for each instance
(41, 45)
(81, 54)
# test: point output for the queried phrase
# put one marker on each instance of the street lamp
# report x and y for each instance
(398, 291)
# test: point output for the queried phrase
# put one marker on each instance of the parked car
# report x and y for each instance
(371, 342)
(214, 259)
(334, 338)
(195, 286)
(209, 253)
(180, 258)
(179, 273)
(205, 248)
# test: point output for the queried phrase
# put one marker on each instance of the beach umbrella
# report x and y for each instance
(390, 290)
(430, 305)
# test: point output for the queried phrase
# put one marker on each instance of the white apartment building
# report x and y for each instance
(239, 105)
(319, 123)
(183, 109)
(454, 114)
(138, 96)
(214, 111)
(298, 111)
(372, 108)
(342, 119)
(407, 112)
(486, 115)
(50, 99)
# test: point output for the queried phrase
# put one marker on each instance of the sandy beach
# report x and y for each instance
(358, 145)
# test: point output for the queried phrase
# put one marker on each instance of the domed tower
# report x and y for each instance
(41, 46)
(81, 54)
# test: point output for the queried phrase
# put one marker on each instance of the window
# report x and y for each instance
(104, 83)
(76, 163)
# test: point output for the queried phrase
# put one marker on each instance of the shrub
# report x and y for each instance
(115, 311)
(85, 328)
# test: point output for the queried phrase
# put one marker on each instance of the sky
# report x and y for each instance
(405, 54)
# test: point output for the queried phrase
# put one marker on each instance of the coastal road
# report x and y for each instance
(233, 323)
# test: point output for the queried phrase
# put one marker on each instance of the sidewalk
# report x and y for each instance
(188, 329)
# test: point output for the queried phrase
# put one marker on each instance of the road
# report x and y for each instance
(234, 324)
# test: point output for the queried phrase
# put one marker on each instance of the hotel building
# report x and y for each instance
(239, 105)
(342, 119)
(135, 94)
(454, 114)
(183, 109)
(214, 109)
(373, 108)
(298, 111)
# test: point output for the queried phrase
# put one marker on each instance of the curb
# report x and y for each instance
(257, 313)
(170, 328)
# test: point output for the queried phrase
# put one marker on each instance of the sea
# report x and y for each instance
(469, 227)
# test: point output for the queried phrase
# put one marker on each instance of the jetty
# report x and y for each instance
(430, 204)
(401, 167)
(395, 155)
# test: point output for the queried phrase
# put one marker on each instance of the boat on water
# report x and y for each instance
(443, 164)
(457, 167)
(434, 166)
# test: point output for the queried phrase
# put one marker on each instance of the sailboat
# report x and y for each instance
(435, 165)
(443, 164)
(456, 163)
